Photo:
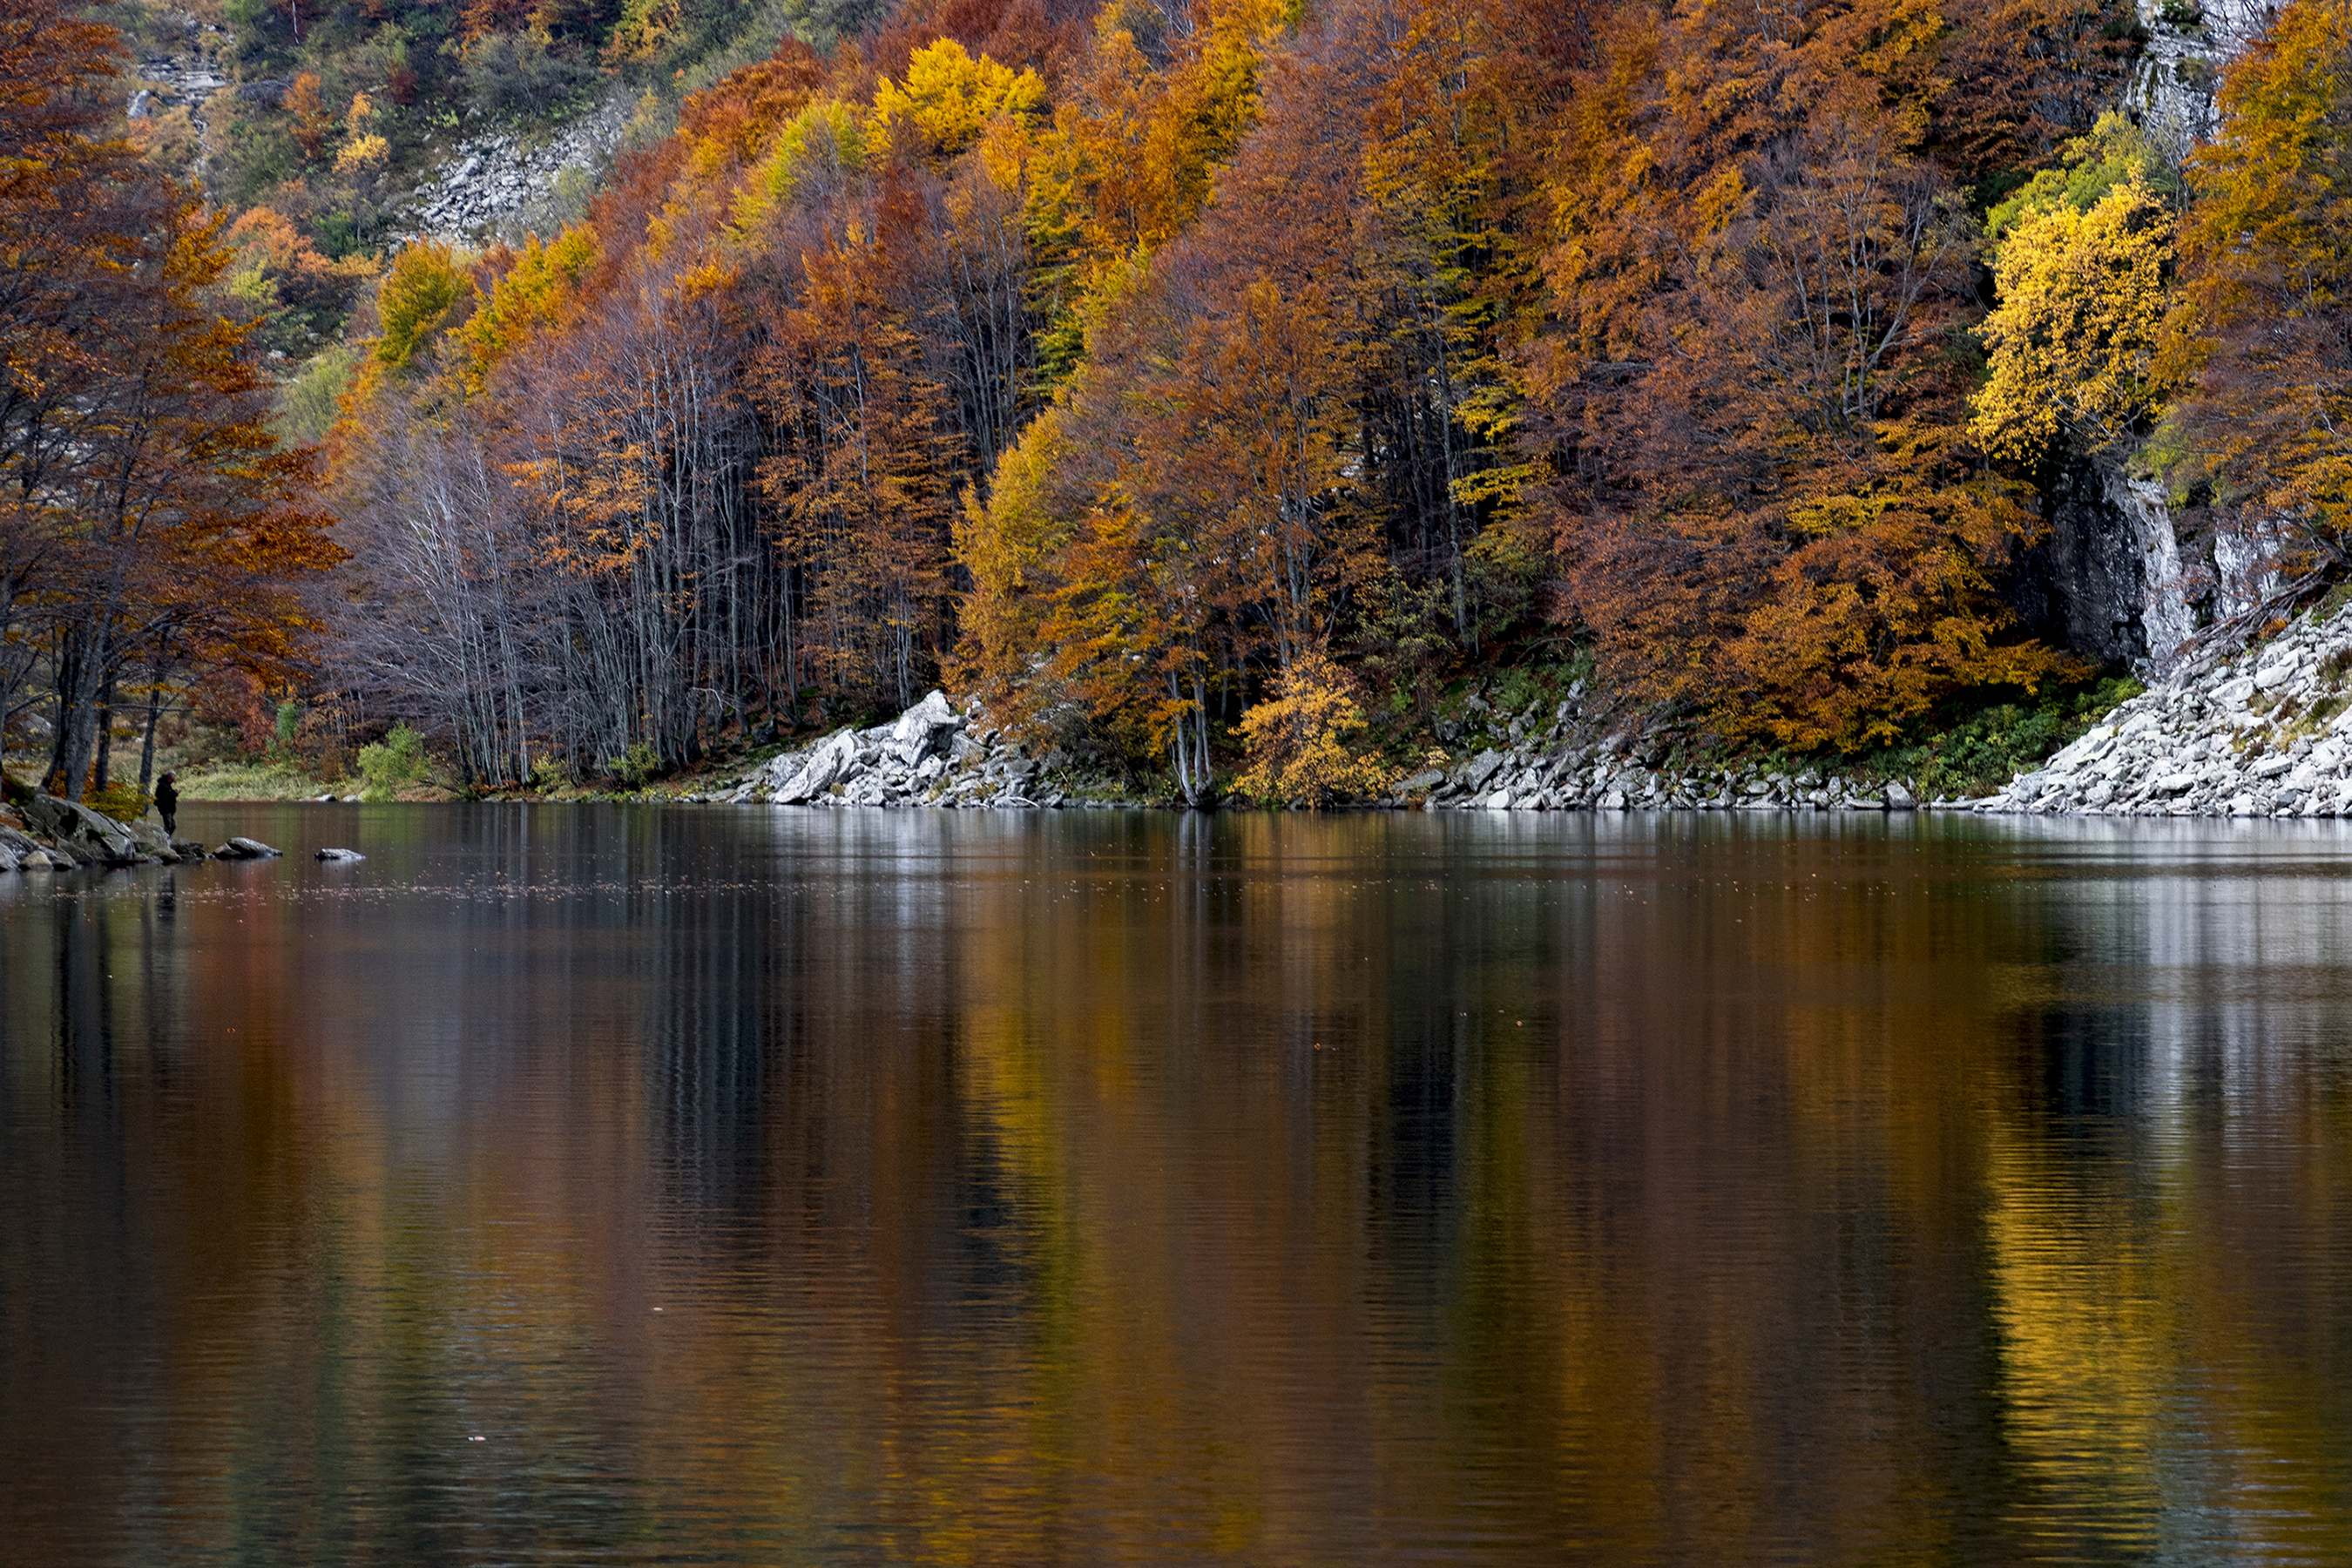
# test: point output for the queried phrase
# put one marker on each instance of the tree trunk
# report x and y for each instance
(147, 746)
(105, 768)
(79, 672)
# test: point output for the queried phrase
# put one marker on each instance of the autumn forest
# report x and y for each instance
(1142, 368)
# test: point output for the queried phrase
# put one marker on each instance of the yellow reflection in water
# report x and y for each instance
(2082, 1305)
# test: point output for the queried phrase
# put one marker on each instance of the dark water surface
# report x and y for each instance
(710, 1184)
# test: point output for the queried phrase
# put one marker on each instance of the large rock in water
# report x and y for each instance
(80, 831)
(244, 849)
(153, 841)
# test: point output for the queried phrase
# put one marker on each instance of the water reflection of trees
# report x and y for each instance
(1086, 1187)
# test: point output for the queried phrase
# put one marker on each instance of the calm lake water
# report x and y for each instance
(610, 1184)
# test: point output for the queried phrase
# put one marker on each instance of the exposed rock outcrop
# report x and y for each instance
(90, 837)
(2268, 733)
(501, 180)
(60, 835)
(2174, 86)
(187, 76)
(2111, 568)
(933, 754)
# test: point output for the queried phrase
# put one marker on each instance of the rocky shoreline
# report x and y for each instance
(48, 834)
(935, 753)
(938, 755)
(2267, 733)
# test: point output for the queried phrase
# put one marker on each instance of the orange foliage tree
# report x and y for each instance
(1113, 362)
(860, 478)
(311, 121)
(2269, 270)
(1765, 507)
(152, 520)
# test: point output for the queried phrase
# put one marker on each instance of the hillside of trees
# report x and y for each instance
(154, 528)
(1135, 367)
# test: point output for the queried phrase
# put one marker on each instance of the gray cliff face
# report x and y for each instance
(2089, 566)
(2172, 89)
(2127, 588)
(2112, 563)
(2165, 619)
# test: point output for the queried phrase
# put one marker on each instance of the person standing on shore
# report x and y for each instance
(167, 803)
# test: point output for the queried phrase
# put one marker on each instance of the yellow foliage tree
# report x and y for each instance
(950, 96)
(422, 289)
(2115, 154)
(362, 156)
(1006, 545)
(2074, 341)
(1128, 163)
(822, 138)
(645, 28)
(533, 294)
(1302, 741)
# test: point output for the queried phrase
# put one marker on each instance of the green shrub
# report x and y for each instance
(254, 158)
(1965, 753)
(517, 75)
(308, 405)
(398, 759)
(633, 767)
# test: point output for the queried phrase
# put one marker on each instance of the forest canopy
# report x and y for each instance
(1134, 366)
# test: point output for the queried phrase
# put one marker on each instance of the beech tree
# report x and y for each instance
(2076, 337)
(1304, 740)
(1115, 365)
(1763, 510)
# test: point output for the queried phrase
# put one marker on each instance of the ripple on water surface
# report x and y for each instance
(714, 1184)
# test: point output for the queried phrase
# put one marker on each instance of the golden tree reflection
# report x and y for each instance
(1262, 1189)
